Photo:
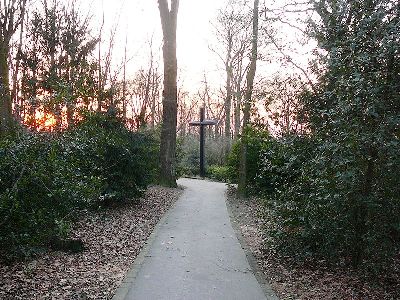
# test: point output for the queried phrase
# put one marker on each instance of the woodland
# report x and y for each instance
(318, 146)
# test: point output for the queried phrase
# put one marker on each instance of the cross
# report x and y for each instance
(202, 123)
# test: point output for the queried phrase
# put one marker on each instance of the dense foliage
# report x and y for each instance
(44, 178)
(58, 72)
(335, 193)
(256, 138)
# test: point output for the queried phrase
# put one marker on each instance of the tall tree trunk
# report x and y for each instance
(168, 18)
(124, 84)
(15, 86)
(228, 99)
(6, 119)
(247, 104)
(238, 100)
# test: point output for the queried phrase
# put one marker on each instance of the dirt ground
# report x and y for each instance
(291, 280)
(112, 239)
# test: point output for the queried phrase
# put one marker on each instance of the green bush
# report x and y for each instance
(316, 206)
(257, 139)
(219, 173)
(215, 150)
(124, 160)
(44, 178)
(280, 163)
(39, 190)
(336, 194)
(320, 199)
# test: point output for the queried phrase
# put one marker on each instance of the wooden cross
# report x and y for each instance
(202, 123)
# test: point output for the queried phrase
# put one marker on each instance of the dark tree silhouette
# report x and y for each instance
(247, 101)
(168, 17)
(12, 15)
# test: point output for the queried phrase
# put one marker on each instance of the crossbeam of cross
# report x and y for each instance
(201, 124)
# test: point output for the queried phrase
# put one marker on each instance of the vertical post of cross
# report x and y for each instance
(202, 158)
(202, 123)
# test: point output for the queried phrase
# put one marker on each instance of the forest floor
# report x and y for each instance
(112, 237)
(291, 280)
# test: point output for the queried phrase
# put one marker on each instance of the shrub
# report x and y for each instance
(342, 201)
(39, 190)
(124, 160)
(219, 173)
(187, 156)
(316, 206)
(215, 150)
(257, 139)
(44, 178)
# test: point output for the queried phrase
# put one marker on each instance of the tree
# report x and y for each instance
(168, 18)
(140, 95)
(12, 16)
(282, 104)
(214, 109)
(233, 31)
(335, 190)
(354, 116)
(58, 72)
(240, 69)
(106, 81)
(247, 102)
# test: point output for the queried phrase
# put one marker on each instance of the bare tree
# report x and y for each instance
(107, 78)
(141, 95)
(233, 31)
(168, 16)
(155, 94)
(148, 85)
(294, 15)
(214, 105)
(247, 102)
(124, 110)
(11, 17)
(238, 74)
(187, 110)
(283, 109)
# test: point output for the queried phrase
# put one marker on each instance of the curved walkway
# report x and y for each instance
(193, 253)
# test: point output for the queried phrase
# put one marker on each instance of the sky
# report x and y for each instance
(139, 22)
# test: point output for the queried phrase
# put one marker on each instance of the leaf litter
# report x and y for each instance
(112, 239)
(312, 280)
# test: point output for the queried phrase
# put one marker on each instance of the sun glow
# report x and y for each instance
(41, 121)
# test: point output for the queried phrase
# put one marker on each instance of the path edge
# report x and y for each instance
(126, 284)
(259, 275)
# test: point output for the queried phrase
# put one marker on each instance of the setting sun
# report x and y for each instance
(42, 121)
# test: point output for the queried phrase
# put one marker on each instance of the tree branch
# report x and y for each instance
(289, 59)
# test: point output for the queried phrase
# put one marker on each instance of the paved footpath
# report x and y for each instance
(194, 253)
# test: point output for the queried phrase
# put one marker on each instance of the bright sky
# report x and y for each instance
(139, 21)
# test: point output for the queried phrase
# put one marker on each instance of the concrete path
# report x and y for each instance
(193, 253)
